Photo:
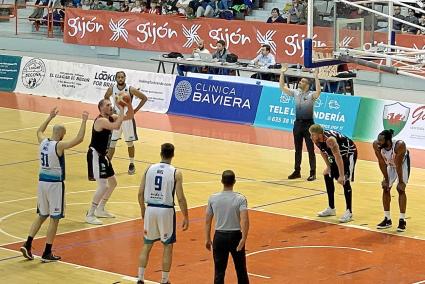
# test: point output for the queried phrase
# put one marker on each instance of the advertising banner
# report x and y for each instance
(334, 112)
(88, 82)
(169, 33)
(219, 100)
(9, 71)
(406, 119)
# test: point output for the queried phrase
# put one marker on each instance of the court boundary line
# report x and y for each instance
(81, 229)
(35, 127)
(78, 266)
(308, 246)
(348, 225)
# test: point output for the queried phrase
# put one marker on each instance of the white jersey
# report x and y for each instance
(115, 92)
(160, 185)
(389, 155)
(52, 167)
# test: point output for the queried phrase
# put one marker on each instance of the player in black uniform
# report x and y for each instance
(99, 166)
(340, 155)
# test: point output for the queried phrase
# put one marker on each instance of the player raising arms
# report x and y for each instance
(51, 187)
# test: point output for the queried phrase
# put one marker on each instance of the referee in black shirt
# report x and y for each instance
(230, 210)
(304, 106)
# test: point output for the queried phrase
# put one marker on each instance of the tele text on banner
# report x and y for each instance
(334, 112)
(88, 82)
(172, 33)
(215, 99)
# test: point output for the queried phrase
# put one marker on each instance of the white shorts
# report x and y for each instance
(51, 199)
(160, 224)
(128, 127)
(392, 172)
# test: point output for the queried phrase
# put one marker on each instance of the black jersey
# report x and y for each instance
(346, 145)
(100, 139)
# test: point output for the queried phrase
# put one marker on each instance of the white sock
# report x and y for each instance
(141, 273)
(164, 278)
(91, 210)
(131, 160)
(102, 204)
(403, 216)
(387, 215)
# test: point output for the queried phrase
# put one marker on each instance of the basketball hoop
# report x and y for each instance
(324, 54)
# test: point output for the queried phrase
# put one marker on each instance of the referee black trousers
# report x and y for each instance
(301, 133)
(226, 242)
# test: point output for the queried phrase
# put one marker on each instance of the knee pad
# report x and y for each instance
(113, 143)
(130, 144)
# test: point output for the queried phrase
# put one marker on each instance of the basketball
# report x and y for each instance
(123, 98)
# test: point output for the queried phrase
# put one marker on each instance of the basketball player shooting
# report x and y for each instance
(128, 127)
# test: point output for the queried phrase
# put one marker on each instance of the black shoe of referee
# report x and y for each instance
(294, 175)
(50, 258)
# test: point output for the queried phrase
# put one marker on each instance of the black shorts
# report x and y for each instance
(349, 167)
(98, 166)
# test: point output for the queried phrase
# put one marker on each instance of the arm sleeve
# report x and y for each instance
(243, 205)
(209, 208)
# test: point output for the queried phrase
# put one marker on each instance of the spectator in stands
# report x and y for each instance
(38, 11)
(220, 55)
(411, 19)
(276, 17)
(224, 4)
(124, 6)
(109, 6)
(221, 51)
(298, 13)
(155, 9)
(422, 24)
(137, 7)
(200, 48)
(97, 5)
(170, 6)
(206, 9)
(396, 24)
(86, 5)
(182, 6)
(263, 60)
(76, 4)
(397, 14)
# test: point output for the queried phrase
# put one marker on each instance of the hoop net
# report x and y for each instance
(322, 54)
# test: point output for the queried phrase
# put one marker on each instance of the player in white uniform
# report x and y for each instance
(51, 187)
(128, 127)
(157, 188)
(394, 162)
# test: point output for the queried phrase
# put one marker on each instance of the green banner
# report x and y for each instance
(406, 119)
(9, 72)
(369, 119)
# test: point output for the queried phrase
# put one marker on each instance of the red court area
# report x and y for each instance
(280, 249)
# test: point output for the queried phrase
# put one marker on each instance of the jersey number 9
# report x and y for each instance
(158, 183)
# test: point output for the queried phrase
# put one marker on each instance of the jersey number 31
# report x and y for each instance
(44, 160)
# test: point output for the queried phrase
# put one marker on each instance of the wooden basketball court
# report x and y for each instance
(287, 242)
